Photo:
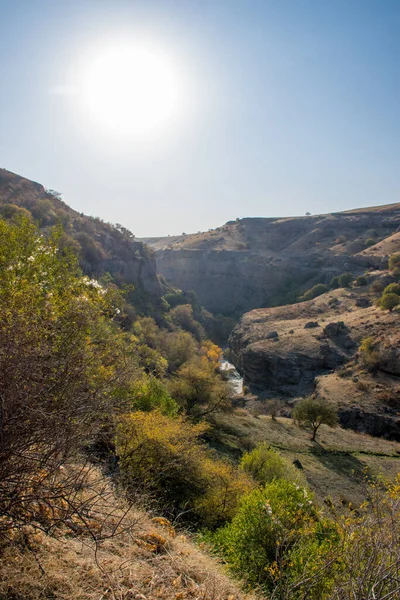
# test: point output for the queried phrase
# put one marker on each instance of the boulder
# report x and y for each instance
(311, 325)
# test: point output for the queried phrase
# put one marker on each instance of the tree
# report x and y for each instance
(312, 413)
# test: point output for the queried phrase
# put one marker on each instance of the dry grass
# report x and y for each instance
(134, 557)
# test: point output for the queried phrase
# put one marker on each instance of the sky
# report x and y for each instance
(282, 107)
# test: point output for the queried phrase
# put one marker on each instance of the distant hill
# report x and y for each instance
(102, 247)
(259, 262)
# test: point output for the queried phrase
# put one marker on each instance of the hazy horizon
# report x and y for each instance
(255, 108)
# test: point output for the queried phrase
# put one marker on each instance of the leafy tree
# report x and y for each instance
(266, 464)
(182, 316)
(389, 301)
(312, 413)
(369, 242)
(198, 388)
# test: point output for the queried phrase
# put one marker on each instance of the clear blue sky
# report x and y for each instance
(289, 106)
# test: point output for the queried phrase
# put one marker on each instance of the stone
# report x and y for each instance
(271, 335)
(363, 302)
(298, 464)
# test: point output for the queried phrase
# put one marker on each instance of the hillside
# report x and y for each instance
(135, 557)
(259, 262)
(119, 433)
(313, 347)
(103, 248)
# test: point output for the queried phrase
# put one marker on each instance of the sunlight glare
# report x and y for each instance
(131, 90)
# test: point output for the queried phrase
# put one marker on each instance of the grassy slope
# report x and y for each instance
(334, 466)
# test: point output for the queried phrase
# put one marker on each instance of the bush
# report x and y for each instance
(149, 393)
(164, 457)
(271, 523)
(392, 288)
(198, 389)
(369, 242)
(161, 455)
(389, 301)
(314, 292)
(265, 464)
(334, 283)
(345, 280)
(361, 281)
(312, 413)
(394, 262)
(225, 487)
(369, 356)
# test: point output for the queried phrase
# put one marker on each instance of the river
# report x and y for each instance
(232, 376)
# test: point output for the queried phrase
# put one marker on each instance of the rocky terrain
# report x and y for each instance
(260, 262)
(313, 347)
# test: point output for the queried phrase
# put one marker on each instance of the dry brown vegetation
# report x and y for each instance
(113, 552)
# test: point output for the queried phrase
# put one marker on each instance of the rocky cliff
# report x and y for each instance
(258, 262)
(313, 348)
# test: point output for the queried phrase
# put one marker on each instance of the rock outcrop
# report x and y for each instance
(288, 364)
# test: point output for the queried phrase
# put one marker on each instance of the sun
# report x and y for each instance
(131, 89)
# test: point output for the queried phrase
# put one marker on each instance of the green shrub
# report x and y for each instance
(389, 301)
(370, 242)
(345, 280)
(271, 524)
(394, 262)
(361, 281)
(334, 283)
(369, 356)
(315, 291)
(165, 458)
(392, 288)
(149, 394)
(265, 464)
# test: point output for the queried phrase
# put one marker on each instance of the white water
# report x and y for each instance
(233, 377)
